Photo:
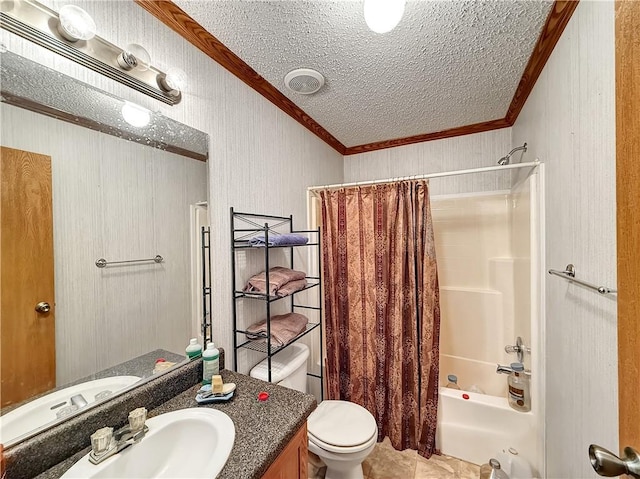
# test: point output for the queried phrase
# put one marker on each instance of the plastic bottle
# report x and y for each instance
(453, 381)
(210, 363)
(519, 393)
(194, 350)
(474, 388)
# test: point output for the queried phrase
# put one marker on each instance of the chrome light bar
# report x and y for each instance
(41, 25)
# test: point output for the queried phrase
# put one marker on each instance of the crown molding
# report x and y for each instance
(175, 18)
(438, 135)
(557, 20)
(180, 22)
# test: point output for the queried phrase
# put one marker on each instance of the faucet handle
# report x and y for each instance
(519, 348)
(137, 417)
(101, 440)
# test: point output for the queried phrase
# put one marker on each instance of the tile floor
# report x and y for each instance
(387, 463)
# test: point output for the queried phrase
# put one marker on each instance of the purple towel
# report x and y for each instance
(288, 239)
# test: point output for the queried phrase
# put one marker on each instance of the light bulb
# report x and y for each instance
(7, 5)
(176, 79)
(135, 115)
(75, 24)
(142, 55)
(382, 16)
(173, 82)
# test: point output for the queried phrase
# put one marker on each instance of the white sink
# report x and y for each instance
(42, 411)
(193, 443)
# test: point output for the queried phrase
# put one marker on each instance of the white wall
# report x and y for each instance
(261, 160)
(117, 200)
(470, 151)
(569, 123)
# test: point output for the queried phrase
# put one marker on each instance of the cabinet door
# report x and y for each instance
(292, 462)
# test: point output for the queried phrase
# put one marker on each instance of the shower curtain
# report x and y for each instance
(382, 311)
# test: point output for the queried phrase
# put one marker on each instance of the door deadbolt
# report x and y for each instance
(43, 307)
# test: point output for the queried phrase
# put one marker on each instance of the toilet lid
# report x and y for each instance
(341, 424)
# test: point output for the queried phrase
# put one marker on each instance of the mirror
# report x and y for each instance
(103, 189)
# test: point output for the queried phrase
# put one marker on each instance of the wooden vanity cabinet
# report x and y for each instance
(292, 463)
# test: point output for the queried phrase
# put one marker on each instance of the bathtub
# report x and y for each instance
(476, 429)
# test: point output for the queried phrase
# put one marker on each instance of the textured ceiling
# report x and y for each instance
(447, 64)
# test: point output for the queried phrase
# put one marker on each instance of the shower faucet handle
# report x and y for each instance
(519, 348)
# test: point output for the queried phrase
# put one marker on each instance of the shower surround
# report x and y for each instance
(483, 287)
(487, 250)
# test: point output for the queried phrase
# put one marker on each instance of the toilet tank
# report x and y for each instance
(288, 368)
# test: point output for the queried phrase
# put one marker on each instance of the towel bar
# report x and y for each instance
(101, 263)
(569, 274)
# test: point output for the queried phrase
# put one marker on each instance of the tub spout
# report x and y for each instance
(503, 369)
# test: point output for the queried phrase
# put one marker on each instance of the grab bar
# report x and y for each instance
(101, 263)
(569, 274)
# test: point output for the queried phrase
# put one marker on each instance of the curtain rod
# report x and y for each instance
(531, 164)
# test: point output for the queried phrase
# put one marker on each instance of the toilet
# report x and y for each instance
(288, 368)
(341, 433)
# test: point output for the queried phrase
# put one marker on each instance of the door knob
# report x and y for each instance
(43, 307)
(607, 464)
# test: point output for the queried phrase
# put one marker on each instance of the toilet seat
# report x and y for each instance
(342, 427)
(343, 449)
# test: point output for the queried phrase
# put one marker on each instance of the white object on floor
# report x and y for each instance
(514, 465)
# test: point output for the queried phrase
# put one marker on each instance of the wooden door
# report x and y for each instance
(628, 218)
(27, 337)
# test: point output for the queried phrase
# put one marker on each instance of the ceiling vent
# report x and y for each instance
(304, 80)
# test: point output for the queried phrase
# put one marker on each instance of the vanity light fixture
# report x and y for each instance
(71, 33)
(135, 115)
(382, 16)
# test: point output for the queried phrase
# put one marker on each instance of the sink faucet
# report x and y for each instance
(78, 400)
(105, 442)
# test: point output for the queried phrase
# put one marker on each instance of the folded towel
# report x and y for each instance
(291, 287)
(278, 277)
(284, 328)
(288, 239)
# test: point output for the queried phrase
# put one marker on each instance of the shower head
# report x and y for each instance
(506, 159)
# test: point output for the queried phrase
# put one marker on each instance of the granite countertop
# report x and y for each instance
(263, 429)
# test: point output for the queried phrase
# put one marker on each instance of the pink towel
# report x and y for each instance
(278, 277)
(291, 287)
(284, 328)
